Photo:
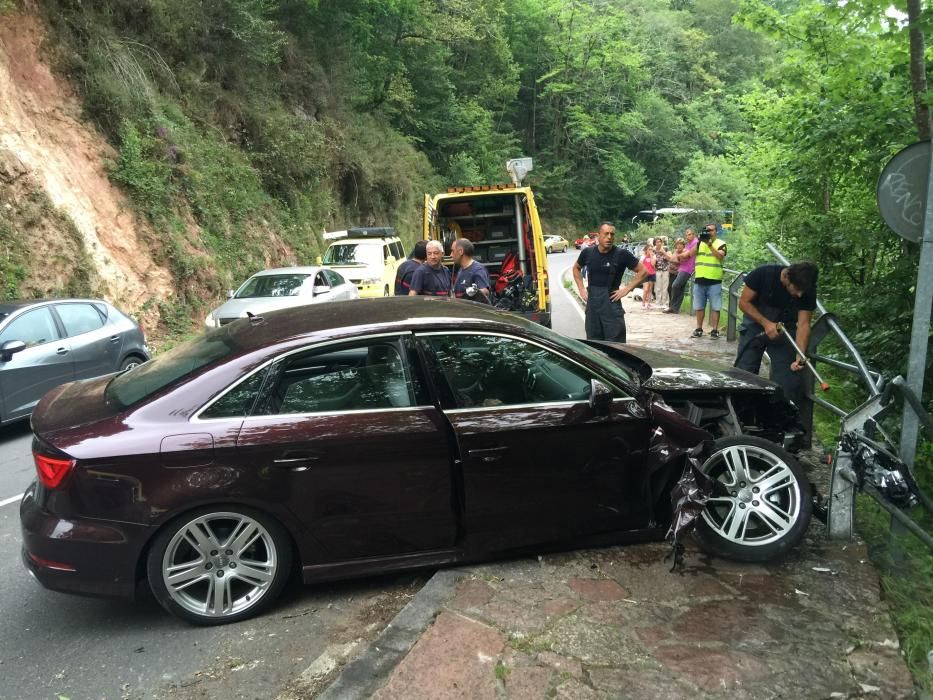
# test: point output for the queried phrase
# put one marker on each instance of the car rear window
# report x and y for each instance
(141, 382)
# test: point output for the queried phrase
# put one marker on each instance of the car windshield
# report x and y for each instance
(625, 375)
(271, 286)
(353, 254)
(134, 385)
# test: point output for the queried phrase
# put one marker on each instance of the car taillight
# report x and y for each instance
(52, 470)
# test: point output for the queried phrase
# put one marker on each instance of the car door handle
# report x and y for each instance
(61, 351)
(490, 454)
(115, 339)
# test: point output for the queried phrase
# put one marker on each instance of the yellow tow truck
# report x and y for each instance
(502, 222)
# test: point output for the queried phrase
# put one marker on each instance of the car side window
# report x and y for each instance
(79, 318)
(397, 250)
(386, 252)
(320, 280)
(361, 376)
(334, 278)
(33, 328)
(239, 401)
(487, 371)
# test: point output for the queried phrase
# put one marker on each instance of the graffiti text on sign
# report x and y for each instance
(910, 205)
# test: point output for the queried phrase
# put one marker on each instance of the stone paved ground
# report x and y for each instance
(615, 623)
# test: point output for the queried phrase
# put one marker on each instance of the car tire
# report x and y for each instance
(246, 552)
(763, 501)
(131, 362)
(385, 292)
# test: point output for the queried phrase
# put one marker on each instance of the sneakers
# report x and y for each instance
(698, 333)
(714, 334)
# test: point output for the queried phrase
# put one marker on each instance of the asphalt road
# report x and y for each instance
(54, 645)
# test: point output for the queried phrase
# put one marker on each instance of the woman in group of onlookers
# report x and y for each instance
(662, 265)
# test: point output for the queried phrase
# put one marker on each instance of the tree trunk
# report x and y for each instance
(918, 72)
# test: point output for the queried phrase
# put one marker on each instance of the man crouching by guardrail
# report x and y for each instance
(777, 294)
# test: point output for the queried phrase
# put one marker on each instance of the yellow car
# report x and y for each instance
(555, 244)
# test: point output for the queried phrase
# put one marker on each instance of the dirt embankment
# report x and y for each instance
(47, 153)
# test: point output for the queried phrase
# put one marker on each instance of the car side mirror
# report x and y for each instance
(318, 260)
(11, 347)
(390, 260)
(230, 293)
(600, 397)
(319, 289)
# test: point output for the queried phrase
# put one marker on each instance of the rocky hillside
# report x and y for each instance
(64, 227)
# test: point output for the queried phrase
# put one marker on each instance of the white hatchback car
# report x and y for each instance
(282, 288)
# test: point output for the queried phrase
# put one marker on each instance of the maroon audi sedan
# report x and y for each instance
(366, 436)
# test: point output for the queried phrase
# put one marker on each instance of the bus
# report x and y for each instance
(725, 218)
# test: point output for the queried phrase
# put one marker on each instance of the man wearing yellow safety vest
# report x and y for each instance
(707, 283)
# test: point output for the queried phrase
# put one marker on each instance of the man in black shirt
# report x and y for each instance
(777, 294)
(432, 278)
(605, 264)
(407, 269)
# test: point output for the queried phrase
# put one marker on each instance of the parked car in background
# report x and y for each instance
(555, 244)
(585, 241)
(406, 432)
(282, 288)
(44, 343)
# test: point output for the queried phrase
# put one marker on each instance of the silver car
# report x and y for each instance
(282, 288)
(44, 343)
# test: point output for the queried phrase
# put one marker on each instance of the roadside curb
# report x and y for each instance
(370, 670)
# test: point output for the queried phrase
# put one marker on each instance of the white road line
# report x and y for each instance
(573, 299)
(8, 501)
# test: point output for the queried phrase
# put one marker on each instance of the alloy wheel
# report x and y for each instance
(220, 564)
(758, 499)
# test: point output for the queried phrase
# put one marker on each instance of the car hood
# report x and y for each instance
(237, 308)
(72, 405)
(671, 372)
(357, 271)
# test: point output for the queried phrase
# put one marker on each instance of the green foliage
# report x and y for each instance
(7, 6)
(143, 167)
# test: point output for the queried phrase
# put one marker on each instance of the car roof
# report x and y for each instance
(9, 307)
(299, 270)
(343, 318)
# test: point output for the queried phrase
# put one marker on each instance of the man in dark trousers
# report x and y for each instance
(432, 278)
(407, 269)
(471, 281)
(777, 294)
(605, 264)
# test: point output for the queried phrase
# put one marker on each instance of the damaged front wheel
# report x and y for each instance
(761, 505)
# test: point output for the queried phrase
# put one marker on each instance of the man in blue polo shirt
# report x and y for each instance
(432, 278)
(471, 281)
(605, 264)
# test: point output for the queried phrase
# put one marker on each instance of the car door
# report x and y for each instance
(366, 454)
(539, 465)
(95, 345)
(44, 364)
(341, 288)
